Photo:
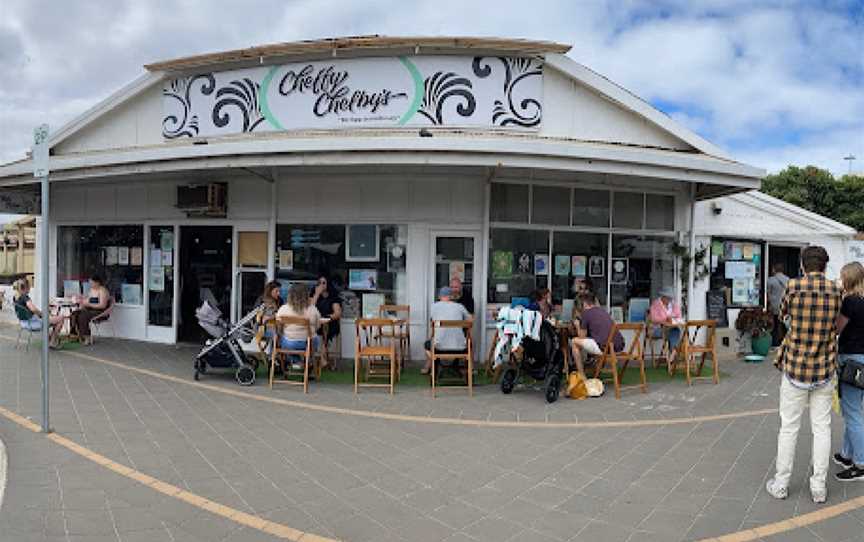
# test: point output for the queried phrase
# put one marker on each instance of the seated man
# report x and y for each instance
(593, 333)
(447, 339)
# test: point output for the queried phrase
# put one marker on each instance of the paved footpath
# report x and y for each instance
(141, 452)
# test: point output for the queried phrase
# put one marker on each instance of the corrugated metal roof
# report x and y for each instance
(370, 43)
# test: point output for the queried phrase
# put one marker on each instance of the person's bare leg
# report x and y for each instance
(428, 366)
(576, 354)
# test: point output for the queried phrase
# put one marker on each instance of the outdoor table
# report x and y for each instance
(65, 307)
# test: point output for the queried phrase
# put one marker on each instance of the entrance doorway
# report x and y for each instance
(454, 255)
(789, 256)
(205, 275)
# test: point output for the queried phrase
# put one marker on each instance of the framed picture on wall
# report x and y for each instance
(597, 266)
(362, 243)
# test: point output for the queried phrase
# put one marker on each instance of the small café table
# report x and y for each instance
(566, 331)
(64, 306)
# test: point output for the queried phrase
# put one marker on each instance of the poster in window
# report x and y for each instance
(617, 314)
(541, 264)
(157, 278)
(620, 270)
(110, 256)
(752, 292)
(740, 270)
(362, 279)
(717, 249)
(167, 258)
(396, 259)
(562, 265)
(371, 305)
(502, 264)
(578, 265)
(737, 252)
(155, 257)
(130, 293)
(122, 255)
(167, 241)
(747, 251)
(740, 291)
(136, 256)
(286, 260)
(597, 266)
(361, 243)
(457, 271)
(524, 264)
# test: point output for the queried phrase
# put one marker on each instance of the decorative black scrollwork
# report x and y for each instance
(528, 112)
(439, 88)
(186, 125)
(244, 95)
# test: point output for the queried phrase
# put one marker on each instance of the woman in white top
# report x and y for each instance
(298, 305)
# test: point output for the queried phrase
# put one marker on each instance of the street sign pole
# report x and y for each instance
(41, 171)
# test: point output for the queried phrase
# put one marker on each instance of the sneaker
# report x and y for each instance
(776, 491)
(852, 474)
(819, 496)
(841, 461)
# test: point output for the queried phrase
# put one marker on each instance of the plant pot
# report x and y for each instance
(761, 344)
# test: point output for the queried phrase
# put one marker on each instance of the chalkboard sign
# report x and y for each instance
(716, 304)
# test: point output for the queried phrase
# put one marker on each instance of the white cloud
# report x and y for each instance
(743, 76)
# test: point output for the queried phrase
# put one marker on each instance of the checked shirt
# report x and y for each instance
(809, 351)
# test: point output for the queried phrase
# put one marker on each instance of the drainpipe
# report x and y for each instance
(692, 278)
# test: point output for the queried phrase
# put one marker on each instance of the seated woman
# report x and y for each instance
(30, 316)
(272, 300)
(299, 305)
(664, 310)
(542, 302)
(91, 306)
(326, 299)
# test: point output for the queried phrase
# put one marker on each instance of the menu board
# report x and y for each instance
(715, 301)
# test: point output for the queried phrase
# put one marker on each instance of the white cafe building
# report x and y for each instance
(390, 164)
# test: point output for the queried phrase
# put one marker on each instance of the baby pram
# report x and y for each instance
(224, 350)
(541, 360)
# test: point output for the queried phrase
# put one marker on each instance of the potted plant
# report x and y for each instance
(758, 323)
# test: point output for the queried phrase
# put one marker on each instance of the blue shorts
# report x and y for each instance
(299, 344)
(33, 324)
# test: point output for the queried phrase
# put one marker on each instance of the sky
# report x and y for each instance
(773, 82)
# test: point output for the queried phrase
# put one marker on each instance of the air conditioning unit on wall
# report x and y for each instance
(207, 200)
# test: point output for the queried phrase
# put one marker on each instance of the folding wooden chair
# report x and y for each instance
(649, 343)
(279, 355)
(690, 348)
(381, 358)
(634, 353)
(402, 331)
(442, 355)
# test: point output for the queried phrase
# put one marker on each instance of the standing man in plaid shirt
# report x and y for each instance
(807, 359)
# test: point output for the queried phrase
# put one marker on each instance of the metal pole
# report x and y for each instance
(46, 309)
(691, 282)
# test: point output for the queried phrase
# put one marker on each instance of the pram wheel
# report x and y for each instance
(553, 387)
(508, 381)
(245, 376)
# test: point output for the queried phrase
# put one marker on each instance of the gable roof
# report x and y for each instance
(792, 213)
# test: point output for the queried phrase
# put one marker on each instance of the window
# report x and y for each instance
(640, 267)
(307, 251)
(509, 203)
(575, 252)
(736, 271)
(550, 205)
(161, 293)
(628, 210)
(115, 252)
(591, 208)
(660, 212)
(518, 264)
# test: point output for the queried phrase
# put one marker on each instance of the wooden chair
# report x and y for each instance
(381, 358)
(442, 355)
(401, 332)
(690, 348)
(649, 343)
(103, 320)
(280, 355)
(610, 357)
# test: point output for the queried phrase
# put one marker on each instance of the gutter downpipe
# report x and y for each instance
(484, 255)
(691, 282)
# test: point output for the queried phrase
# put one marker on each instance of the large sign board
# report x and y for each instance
(856, 251)
(419, 91)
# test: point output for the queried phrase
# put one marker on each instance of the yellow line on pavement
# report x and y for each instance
(422, 419)
(237, 516)
(795, 522)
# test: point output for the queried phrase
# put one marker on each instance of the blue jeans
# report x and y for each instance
(673, 337)
(299, 344)
(853, 416)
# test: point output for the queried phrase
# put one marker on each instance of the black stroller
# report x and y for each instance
(541, 360)
(224, 350)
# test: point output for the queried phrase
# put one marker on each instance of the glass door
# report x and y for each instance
(454, 257)
(161, 255)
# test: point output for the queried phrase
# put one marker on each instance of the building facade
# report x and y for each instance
(389, 164)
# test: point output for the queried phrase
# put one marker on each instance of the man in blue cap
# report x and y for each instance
(447, 339)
